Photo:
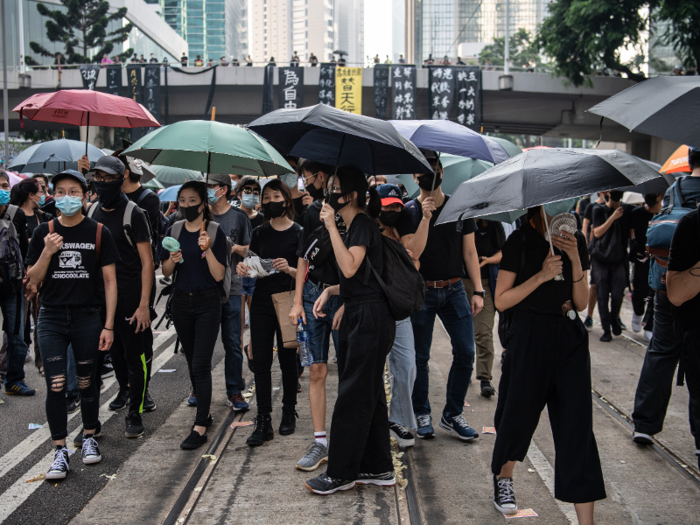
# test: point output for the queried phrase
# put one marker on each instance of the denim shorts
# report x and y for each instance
(248, 285)
(320, 329)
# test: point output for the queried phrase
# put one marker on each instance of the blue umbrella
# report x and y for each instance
(169, 194)
(53, 157)
(446, 136)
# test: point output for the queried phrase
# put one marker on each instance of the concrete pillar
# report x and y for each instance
(662, 149)
(640, 148)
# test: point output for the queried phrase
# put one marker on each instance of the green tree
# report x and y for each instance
(81, 28)
(683, 31)
(523, 51)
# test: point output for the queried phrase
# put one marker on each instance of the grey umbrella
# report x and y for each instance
(540, 176)
(664, 106)
(53, 157)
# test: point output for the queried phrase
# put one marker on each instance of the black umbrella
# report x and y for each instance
(332, 136)
(541, 176)
(340, 52)
(664, 106)
(657, 185)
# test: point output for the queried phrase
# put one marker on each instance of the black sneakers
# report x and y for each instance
(289, 422)
(134, 425)
(487, 389)
(78, 440)
(148, 404)
(606, 337)
(263, 431)
(325, 485)
(72, 404)
(193, 441)
(402, 435)
(90, 451)
(60, 466)
(504, 495)
(387, 479)
(120, 401)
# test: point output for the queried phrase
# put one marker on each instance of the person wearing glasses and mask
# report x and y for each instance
(73, 258)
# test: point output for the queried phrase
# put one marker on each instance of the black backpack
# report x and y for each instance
(403, 285)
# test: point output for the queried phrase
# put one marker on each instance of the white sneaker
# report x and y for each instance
(60, 466)
(91, 452)
(636, 323)
(644, 439)
(647, 336)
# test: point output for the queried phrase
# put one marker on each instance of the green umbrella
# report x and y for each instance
(153, 184)
(511, 149)
(210, 147)
(456, 170)
(169, 176)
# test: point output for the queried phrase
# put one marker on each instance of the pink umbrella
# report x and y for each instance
(14, 178)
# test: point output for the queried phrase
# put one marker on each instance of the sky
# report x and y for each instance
(378, 27)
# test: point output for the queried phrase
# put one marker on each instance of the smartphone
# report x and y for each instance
(300, 185)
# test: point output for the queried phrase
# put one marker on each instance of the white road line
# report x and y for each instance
(14, 496)
(546, 472)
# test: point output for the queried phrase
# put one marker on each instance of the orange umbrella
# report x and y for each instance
(677, 163)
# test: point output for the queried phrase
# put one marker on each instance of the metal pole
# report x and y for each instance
(506, 64)
(5, 110)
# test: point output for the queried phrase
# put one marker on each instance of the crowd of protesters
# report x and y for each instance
(87, 284)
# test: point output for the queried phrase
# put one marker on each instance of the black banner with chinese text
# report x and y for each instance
(381, 89)
(403, 89)
(441, 89)
(469, 96)
(151, 90)
(326, 85)
(291, 81)
(89, 74)
(114, 79)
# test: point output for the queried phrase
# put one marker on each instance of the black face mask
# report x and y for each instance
(606, 197)
(272, 210)
(650, 199)
(110, 193)
(616, 196)
(425, 182)
(389, 218)
(316, 193)
(333, 201)
(190, 213)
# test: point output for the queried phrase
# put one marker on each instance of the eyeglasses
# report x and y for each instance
(105, 178)
(72, 193)
(250, 191)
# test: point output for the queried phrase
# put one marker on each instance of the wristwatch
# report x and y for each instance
(480, 294)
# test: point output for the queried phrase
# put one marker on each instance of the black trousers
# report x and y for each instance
(197, 317)
(640, 282)
(548, 363)
(359, 439)
(132, 352)
(264, 325)
(610, 281)
(690, 361)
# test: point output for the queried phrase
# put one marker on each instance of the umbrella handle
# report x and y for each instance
(204, 229)
(87, 137)
(559, 277)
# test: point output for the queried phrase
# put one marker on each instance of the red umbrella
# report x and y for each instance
(82, 107)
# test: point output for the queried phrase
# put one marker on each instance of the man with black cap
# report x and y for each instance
(236, 225)
(447, 252)
(143, 197)
(132, 351)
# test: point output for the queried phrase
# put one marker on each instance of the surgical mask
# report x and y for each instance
(333, 200)
(4, 197)
(425, 182)
(190, 213)
(42, 200)
(68, 205)
(316, 193)
(389, 218)
(250, 201)
(272, 210)
(616, 196)
(211, 196)
(290, 179)
(555, 208)
(109, 193)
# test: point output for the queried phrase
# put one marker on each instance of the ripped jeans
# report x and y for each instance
(80, 327)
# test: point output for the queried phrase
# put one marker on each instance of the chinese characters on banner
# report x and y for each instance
(89, 74)
(151, 90)
(133, 79)
(326, 85)
(114, 79)
(403, 89)
(441, 84)
(291, 81)
(348, 89)
(469, 96)
(381, 88)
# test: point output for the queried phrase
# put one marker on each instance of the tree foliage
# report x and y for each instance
(523, 51)
(584, 36)
(82, 28)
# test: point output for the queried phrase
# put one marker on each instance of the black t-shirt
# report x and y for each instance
(129, 268)
(489, 239)
(258, 220)
(328, 273)
(183, 61)
(549, 297)
(639, 222)
(363, 231)
(588, 213)
(150, 203)
(35, 220)
(193, 273)
(405, 226)
(269, 243)
(442, 258)
(602, 213)
(685, 254)
(583, 206)
(298, 210)
(74, 277)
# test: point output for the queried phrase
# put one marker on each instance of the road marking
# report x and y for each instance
(546, 473)
(18, 493)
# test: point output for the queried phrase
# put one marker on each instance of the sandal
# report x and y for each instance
(41, 371)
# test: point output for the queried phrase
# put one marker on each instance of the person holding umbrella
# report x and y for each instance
(196, 306)
(547, 362)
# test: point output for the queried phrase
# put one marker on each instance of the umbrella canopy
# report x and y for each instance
(678, 162)
(456, 170)
(153, 184)
(169, 194)
(663, 106)
(53, 156)
(337, 138)
(83, 107)
(542, 176)
(14, 178)
(169, 176)
(510, 148)
(209, 147)
(446, 136)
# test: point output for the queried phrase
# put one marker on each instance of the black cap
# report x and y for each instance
(108, 164)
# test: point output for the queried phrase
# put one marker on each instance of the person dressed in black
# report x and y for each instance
(547, 363)
(196, 306)
(359, 448)
(276, 239)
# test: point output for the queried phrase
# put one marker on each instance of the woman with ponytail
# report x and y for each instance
(359, 449)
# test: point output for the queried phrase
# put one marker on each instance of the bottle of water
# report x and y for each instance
(303, 340)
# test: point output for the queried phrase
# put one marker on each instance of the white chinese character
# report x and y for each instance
(407, 85)
(408, 98)
(398, 99)
(408, 110)
(448, 74)
(407, 71)
(399, 112)
(461, 76)
(472, 77)
(291, 77)
(471, 92)
(436, 115)
(460, 118)
(437, 73)
(470, 119)
(461, 104)
(443, 115)
(444, 86)
(445, 102)
(397, 72)
(290, 104)
(470, 104)
(436, 100)
(290, 94)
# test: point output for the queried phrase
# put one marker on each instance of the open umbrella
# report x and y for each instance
(169, 176)
(83, 107)
(53, 157)
(510, 148)
(169, 194)
(14, 178)
(446, 136)
(678, 162)
(337, 138)
(542, 176)
(456, 170)
(209, 147)
(663, 106)
(153, 184)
